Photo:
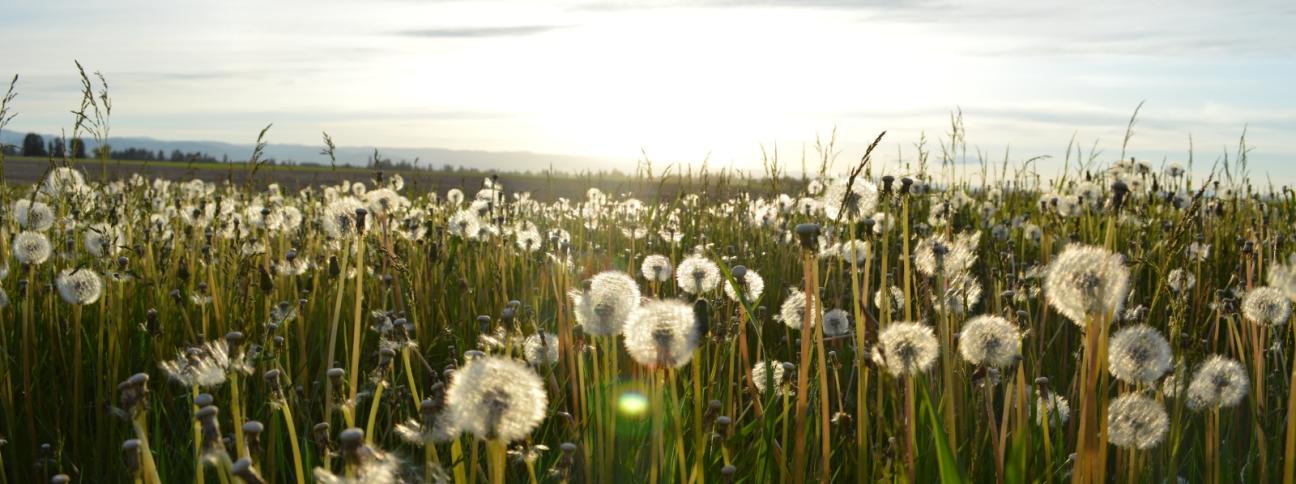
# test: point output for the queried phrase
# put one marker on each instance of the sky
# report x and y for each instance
(679, 81)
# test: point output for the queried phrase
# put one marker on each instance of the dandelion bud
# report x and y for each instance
(887, 180)
(385, 357)
(131, 455)
(60, 479)
(350, 441)
(252, 432)
(272, 378)
(1119, 190)
(234, 339)
(809, 234)
(210, 425)
(204, 399)
(905, 183)
(729, 472)
(334, 268)
(723, 421)
(320, 434)
(483, 324)
(122, 262)
(701, 317)
(360, 215)
(242, 469)
(176, 296)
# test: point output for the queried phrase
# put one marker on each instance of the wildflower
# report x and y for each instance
(603, 308)
(1086, 281)
(768, 376)
(656, 268)
(697, 275)
(204, 366)
(1054, 407)
(836, 323)
(897, 299)
(340, 219)
(850, 203)
(856, 251)
(366, 464)
(79, 286)
(385, 201)
(496, 399)
(103, 240)
(662, 334)
(1198, 251)
(989, 341)
(541, 349)
(908, 348)
(1136, 421)
(31, 248)
(948, 256)
(1283, 277)
(1220, 382)
(1266, 305)
(454, 196)
(1138, 354)
(793, 311)
(1180, 280)
(32, 215)
(751, 285)
(464, 224)
(528, 240)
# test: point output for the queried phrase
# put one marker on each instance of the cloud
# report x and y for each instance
(478, 32)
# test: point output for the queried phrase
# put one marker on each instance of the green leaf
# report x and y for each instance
(949, 470)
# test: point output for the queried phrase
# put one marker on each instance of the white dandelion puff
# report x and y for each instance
(1053, 407)
(1266, 305)
(1085, 281)
(697, 275)
(1138, 354)
(1136, 421)
(656, 268)
(769, 376)
(496, 398)
(908, 348)
(79, 286)
(793, 311)
(541, 349)
(1220, 382)
(989, 340)
(751, 285)
(603, 308)
(662, 334)
(836, 323)
(31, 248)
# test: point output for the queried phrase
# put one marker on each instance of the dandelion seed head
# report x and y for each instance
(1266, 305)
(656, 268)
(1136, 421)
(908, 348)
(836, 323)
(1054, 407)
(80, 286)
(662, 334)
(697, 275)
(604, 308)
(1138, 354)
(793, 311)
(850, 203)
(541, 349)
(768, 376)
(1180, 280)
(1220, 382)
(31, 248)
(32, 215)
(1085, 281)
(496, 398)
(989, 341)
(751, 285)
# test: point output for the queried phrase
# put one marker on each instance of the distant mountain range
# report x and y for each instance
(357, 155)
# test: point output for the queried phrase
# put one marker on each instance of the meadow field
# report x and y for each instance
(1115, 321)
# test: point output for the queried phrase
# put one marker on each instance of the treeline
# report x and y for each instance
(35, 145)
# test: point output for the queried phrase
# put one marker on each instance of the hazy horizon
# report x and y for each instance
(605, 80)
